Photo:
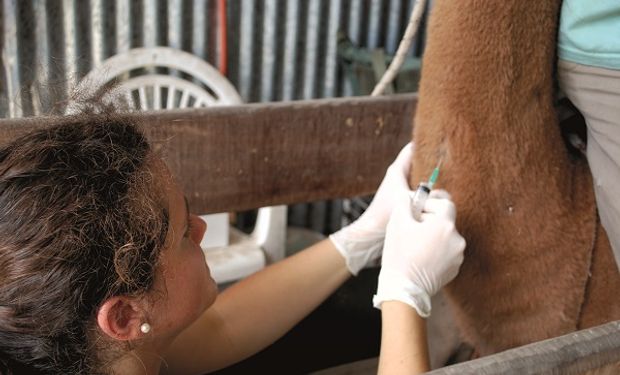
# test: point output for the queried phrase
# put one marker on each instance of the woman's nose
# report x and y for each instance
(201, 228)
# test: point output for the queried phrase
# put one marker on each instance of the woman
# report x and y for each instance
(101, 270)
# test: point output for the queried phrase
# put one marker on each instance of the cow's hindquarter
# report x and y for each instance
(524, 206)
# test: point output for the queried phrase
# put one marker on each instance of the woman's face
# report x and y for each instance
(185, 279)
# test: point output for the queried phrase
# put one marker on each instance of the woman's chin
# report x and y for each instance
(211, 291)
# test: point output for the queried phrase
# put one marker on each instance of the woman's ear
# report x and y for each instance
(120, 318)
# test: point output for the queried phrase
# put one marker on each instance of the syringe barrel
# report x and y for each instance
(419, 199)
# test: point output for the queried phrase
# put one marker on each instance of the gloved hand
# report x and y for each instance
(419, 258)
(360, 242)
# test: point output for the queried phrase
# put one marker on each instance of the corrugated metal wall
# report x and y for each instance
(276, 49)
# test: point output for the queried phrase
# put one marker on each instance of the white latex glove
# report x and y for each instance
(419, 258)
(360, 242)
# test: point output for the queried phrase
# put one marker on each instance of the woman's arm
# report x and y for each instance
(255, 312)
(419, 258)
(403, 340)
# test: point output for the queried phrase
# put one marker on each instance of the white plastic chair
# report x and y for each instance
(191, 83)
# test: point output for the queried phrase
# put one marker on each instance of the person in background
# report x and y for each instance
(589, 75)
(101, 271)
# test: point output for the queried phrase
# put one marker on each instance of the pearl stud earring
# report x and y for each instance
(145, 328)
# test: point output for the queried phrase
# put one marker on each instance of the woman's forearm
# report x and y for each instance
(403, 340)
(263, 307)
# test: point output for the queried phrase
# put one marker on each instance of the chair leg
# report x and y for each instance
(270, 232)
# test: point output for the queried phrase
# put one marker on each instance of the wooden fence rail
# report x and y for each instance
(236, 158)
(576, 353)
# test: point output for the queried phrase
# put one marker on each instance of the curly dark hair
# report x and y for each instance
(81, 220)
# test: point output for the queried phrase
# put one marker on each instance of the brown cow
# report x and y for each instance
(538, 264)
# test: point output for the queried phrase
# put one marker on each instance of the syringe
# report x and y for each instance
(421, 194)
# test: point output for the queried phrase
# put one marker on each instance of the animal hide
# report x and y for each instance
(537, 263)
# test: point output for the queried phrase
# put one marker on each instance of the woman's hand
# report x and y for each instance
(360, 243)
(419, 258)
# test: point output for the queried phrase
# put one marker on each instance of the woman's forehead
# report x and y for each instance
(171, 195)
(175, 200)
(163, 177)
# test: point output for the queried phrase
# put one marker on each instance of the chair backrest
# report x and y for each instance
(159, 78)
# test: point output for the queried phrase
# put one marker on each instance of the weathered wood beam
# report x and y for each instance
(594, 349)
(236, 158)
(571, 354)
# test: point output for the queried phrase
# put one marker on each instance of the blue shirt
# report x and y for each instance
(590, 32)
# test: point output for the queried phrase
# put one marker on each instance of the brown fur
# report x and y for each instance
(525, 207)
